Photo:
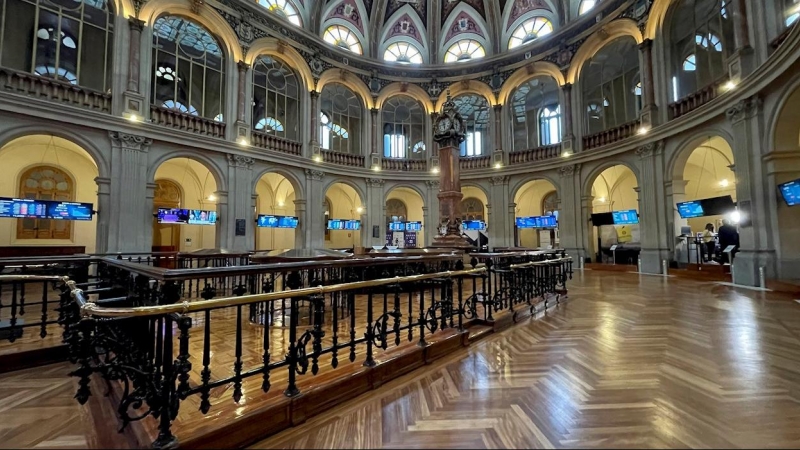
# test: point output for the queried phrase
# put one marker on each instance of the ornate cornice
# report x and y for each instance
(375, 182)
(130, 141)
(745, 109)
(649, 149)
(316, 175)
(569, 170)
(245, 162)
(499, 180)
(432, 184)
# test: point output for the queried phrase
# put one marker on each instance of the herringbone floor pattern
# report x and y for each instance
(629, 361)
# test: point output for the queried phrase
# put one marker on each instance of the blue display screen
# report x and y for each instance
(791, 192)
(172, 215)
(344, 224)
(23, 208)
(287, 222)
(537, 222)
(352, 225)
(202, 217)
(413, 226)
(69, 211)
(688, 210)
(474, 225)
(397, 226)
(629, 217)
(336, 224)
(270, 221)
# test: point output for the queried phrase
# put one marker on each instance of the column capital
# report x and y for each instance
(102, 181)
(569, 170)
(242, 66)
(130, 141)
(316, 175)
(314, 94)
(646, 45)
(744, 109)
(375, 182)
(497, 107)
(135, 24)
(566, 87)
(432, 184)
(650, 149)
(241, 161)
(499, 180)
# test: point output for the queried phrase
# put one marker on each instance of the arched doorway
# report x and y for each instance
(614, 190)
(536, 198)
(46, 167)
(276, 196)
(405, 205)
(343, 202)
(194, 189)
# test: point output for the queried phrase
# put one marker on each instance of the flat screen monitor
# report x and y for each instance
(202, 217)
(352, 225)
(477, 225)
(718, 206)
(287, 222)
(69, 210)
(397, 226)
(336, 224)
(23, 208)
(627, 217)
(172, 215)
(413, 226)
(791, 192)
(600, 219)
(537, 222)
(688, 210)
(267, 221)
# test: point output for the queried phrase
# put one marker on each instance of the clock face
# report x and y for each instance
(457, 125)
(444, 124)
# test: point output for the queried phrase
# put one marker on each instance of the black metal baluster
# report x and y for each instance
(237, 366)
(182, 364)
(22, 299)
(336, 299)
(460, 282)
(369, 335)
(449, 293)
(13, 322)
(205, 375)
(351, 301)
(168, 408)
(43, 329)
(291, 389)
(318, 303)
(421, 321)
(265, 384)
(411, 312)
(397, 314)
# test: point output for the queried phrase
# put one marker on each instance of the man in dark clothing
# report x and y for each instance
(728, 235)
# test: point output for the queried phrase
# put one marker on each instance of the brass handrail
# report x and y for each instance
(539, 263)
(89, 309)
(61, 278)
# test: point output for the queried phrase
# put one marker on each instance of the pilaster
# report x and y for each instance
(498, 153)
(571, 226)
(315, 227)
(374, 160)
(649, 113)
(127, 214)
(742, 62)
(675, 193)
(432, 201)
(103, 211)
(133, 99)
(242, 128)
(375, 213)
(314, 123)
(238, 202)
(303, 223)
(500, 222)
(567, 133)
(652, 220)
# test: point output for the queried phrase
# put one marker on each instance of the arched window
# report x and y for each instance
(188, 68)
(45, 183)
(342, 37)
(585, 6)
(528, 104)
(471, 209)
(67, 40)
(276, 98)
(791, 12)
(529, 30)
(464, 50)
(284, 9)
(396, 210)
(403, 128)
(475, 111)
(609, 80)
(340, 119)
(701, 40)
(403, 52)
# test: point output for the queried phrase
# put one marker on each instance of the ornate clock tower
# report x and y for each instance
(449, 131)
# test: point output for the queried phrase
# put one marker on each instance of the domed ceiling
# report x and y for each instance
(429, 31)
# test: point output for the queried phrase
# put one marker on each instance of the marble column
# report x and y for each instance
(434, 157)
(130, 222)
(501, 232)
(427, 231)
(567, 133)
(225, 222)
(676, 193)
(314, 124)
(756, 242)
(242, 129)
(374, 160)
(149, 201)
(239, 206)
(374, 216)
(133, 98)
(742, 62)
(302, 224)
(432, 204)
(314, 217)
(498, 154)
(103, 209)
(649, 114)
(571, 227)
(589, 240)
(652, 218)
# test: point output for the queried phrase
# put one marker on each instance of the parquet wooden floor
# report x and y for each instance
(629, 362)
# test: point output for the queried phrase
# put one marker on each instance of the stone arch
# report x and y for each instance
(528, 72)
(468, 87)
(273, 47)
(352, 82)
(297, 185)
(521, 183)
(656, 17)
(600, 168)
(410, 90)
(409, 186)
(359, 190)
(88, 146)
(780, 127)
(551, 15)
(677, 162)
(206, 16)
(217, 172)
(595, 42)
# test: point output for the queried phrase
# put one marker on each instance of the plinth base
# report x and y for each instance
(451, 241)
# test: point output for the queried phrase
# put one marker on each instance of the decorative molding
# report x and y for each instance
(649, 149)
(499, 180)
(316, 175)
(375, 182)
(245, 162)
(745, 109)
(130, 141)
(432, 184)
(570, 170)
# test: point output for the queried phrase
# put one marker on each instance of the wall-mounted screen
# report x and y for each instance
(69, 211)
(336, 224)
(172, 215)
(23, 208)
(287, 222)
(202, 217)
(627, 217)
(267, 221)
(478, 225)
(352, 225)
(413, 226)
(600, 219)
(718, 206)
(537, 222)
(397, 226)
(791, 192)
(688, 210)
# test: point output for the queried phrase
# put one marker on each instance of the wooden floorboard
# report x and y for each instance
(628, 361)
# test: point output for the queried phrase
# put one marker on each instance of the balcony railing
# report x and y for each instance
(276, 144)
(695, 100)
(53, 90)
(186, 122)
(535, 154)
(477, 162)
(606, 137)
(343, 159)
(404, 165)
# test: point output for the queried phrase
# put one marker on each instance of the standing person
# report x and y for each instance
(709, 242)
(728, 235)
